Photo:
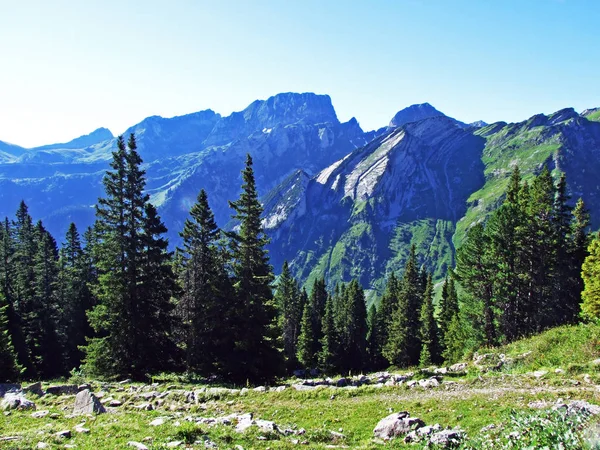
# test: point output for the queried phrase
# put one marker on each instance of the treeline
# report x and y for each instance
(117, 303)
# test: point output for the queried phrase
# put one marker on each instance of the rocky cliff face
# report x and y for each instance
(359, 215)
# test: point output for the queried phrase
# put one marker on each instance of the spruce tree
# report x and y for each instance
(448, 306)
(206, 292)
(43, 318)
(476, 271)
(373, 348)
(306, 349)
(455, 341)
(129, 253)
(430, 348)
(289, 301)
(590, 306)
(330, 344)
(74, 298)
(385, 312)
(578, 251)
(404, 346)
(352, 329)
(256, 318)
(9, 367)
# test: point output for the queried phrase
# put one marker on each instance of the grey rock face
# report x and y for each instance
(87, 403)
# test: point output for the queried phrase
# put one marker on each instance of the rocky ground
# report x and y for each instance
(431, 408)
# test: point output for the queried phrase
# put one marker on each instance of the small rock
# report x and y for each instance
(40, 414)
(83, 387)
(260, 389)
(157, 422)
(429, 383)
(174, 444)
(82, 430)
(65, 434)
(559, 371)
(447, 438)
(458, 368)
(127, 381)
(115, 403)
(42, 445)
(539, 373)
(137, 445)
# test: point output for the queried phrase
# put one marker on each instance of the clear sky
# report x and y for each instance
(71, 66)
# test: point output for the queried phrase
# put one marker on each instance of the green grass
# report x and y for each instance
(474, 401)
(570, 347)
(594, 116)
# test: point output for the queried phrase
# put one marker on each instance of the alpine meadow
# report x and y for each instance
(284, 276)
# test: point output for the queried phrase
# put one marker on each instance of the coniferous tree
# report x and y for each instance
(429, 333)
(74, 298)
(256, 319)
(578, 251)
(476, 272)
(352, 328)
(23, 290)
(44, 315)
(128, 253)
(207, 291)
(455, 341)
(288, 298)
(9, 367)
(403, 347)
(373, 348)
(306, 354)
(330, 342)
(448, 307)
(590, 306)
(385, 312)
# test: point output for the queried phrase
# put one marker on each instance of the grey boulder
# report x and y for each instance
(87, 403)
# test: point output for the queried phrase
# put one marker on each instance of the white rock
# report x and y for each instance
(157, 422)
(137, 445)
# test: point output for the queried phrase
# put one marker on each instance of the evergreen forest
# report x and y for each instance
(113, 301)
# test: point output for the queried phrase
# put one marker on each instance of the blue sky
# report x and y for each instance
(69, 67)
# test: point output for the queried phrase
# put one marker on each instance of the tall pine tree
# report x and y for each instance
(257, 353)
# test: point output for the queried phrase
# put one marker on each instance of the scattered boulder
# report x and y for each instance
(115, 403)
(447, 438)
(458, 368)
(16, 400)
(34, 388)
(63, 389)
(137, 445)
(174, 444)
(87, 403)
(40, 414)
(65, 434)
(157, 422)
(397, 424)
(42, 445)
(539, 373)
(429, 383)
(81, 429)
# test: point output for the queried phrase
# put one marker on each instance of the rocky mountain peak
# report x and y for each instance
(280, 110)
(414, 113)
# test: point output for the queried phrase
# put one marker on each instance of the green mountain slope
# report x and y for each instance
(424, 183)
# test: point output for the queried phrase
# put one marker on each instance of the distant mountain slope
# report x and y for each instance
(285, 133)
(425, 183)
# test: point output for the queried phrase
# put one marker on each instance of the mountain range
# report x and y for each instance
(340, 202)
